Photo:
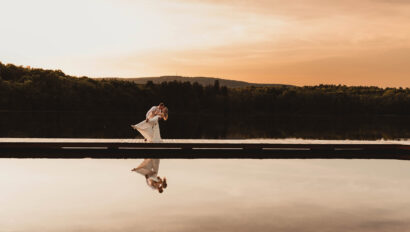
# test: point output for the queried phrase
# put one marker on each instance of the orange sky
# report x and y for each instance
(300, 42)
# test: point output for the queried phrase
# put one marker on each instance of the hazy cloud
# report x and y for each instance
(276, 41)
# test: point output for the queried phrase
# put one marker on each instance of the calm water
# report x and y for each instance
(202, 126)
(205, 195)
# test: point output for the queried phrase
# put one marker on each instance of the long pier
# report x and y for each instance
(191, 149)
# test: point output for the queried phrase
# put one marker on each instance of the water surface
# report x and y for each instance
(45, 124)
(205, 195)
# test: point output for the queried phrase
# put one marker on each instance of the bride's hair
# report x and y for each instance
(165, 111)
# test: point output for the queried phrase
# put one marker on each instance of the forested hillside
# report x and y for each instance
(200, 80)
(24, 88)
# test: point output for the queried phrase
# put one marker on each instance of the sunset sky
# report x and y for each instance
(300, 42)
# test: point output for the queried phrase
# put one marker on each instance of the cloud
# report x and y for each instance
(388, 67)
(303, 8)
(276, 41)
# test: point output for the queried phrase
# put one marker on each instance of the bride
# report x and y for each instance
(149, 128)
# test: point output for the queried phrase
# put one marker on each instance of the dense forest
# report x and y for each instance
(28, 89)
(200, 80)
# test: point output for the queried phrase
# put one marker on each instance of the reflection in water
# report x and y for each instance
(149, 169)
(206, 195)
(203, 126)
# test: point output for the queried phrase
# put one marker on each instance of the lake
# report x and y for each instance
(42, 124)
(205, 195)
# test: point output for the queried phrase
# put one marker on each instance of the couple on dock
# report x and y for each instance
(149, 128)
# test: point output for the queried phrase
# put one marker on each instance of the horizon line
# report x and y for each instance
(203, 76)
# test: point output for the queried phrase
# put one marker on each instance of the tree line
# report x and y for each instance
(28, 89)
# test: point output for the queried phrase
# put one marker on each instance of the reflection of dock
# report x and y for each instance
(263, 148)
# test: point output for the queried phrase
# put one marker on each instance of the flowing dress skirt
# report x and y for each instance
(148, 167)
(150, 129)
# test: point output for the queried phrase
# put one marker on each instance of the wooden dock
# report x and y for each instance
(191, 149)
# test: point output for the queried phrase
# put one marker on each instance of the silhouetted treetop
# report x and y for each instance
(25, 88)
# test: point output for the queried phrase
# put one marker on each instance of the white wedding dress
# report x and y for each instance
(149, 167)
(150, 129)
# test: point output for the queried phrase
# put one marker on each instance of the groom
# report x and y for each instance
(153, 110)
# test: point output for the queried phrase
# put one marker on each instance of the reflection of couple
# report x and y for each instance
(149, 168)
(149, 128)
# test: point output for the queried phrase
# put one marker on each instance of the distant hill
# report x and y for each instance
(201, 80)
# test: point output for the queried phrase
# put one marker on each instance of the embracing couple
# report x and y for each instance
(149, 168)
(149, 128)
